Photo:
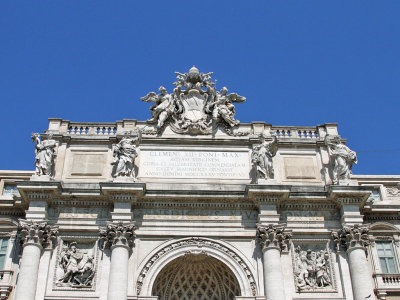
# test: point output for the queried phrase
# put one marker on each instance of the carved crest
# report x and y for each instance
(195, 106)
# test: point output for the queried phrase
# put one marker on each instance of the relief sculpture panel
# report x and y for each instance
(76, 265)
(312, 268)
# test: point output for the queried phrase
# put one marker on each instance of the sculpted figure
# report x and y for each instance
(312, 270)
(124, 156)
(261, 158)
(343, 158)
(78, 268)
(163, 108)
(44, 155)
(223, 107)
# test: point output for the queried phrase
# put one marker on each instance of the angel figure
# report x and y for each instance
(163, 108)
(44, 155)
(261, 158)
(223, 107)
(343, 158)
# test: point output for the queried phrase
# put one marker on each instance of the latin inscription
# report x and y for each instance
(193, 214)
(194, 164)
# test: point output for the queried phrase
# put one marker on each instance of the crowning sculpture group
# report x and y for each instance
(196, 107)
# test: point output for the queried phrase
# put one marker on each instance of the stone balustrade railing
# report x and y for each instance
(5, 283)
(387, 281)
(295, 132)
(111, 129)
(92, 129)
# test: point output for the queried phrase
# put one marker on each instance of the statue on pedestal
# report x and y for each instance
(124, 155)
(261, 157)
(343, 158)
(44, 155)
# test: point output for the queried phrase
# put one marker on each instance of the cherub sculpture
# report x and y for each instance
(343, 158)
(261, 158)
(44, 155)
(223, 108)
(125, 154)
(163, 108)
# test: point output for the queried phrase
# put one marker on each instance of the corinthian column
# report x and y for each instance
(355, 239)
(273, 239)
(120, 237)
(34, 236)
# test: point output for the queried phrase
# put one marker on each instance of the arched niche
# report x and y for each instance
(158, 259)
(196, 276)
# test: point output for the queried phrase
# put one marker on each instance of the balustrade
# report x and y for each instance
(295, 132)
(106, 129)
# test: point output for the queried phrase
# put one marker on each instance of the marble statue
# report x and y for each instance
(78, 267)
(163, 108)
(124, 155)
(261, 158)
(194, 106)
(223, 108)
(312, 269)
(44, 155)
(343, 158)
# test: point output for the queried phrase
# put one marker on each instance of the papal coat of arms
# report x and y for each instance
(195, 106)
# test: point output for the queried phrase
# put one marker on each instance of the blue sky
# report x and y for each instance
(297, 62)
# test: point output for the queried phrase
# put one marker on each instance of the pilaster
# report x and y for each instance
(37, 194)
(351, 200)
(267, 198)
(123, 195)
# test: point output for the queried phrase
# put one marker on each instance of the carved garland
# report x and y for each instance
(199, 242)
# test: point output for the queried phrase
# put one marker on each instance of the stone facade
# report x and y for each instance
(193, 204)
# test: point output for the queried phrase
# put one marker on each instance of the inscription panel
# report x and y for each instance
(194, 164)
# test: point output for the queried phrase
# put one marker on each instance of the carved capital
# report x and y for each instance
(273, 236)
(118, 234)
(38, 233)
(351, 237)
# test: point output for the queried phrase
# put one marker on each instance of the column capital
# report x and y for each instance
(351, 237)
(118, 234)
(37, 233)
(273, 236)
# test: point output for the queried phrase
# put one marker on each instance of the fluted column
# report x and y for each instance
(273, 239)
(34, 236)
(120, 237)
(355, 239)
